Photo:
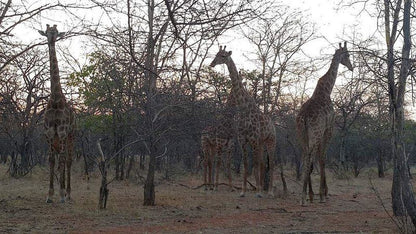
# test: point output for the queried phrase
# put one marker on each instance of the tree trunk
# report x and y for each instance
(102, 165)
(142, 161)
(402, 192)
(150, 79)
(130, 166)
(380, 164)
(342, 158)
(102, 202)
(149, 186)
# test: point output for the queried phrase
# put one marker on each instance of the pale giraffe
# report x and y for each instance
(216, 145)
(314, 124)
(59, 123)
(252, 126)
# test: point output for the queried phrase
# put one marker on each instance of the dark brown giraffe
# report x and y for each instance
(252, 126)
(59, 123)
(216, 149)
(314, 124)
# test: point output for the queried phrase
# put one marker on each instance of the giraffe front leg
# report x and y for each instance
(245, 164)
(230, 182)
(217, 174)
(259, 169)
(205, 174)
(323, 189)
(271, 174)
(217, 168)
(51, 175)
(210, 174)
(310, 184)
(68, 168)
(61, 168)
(256, 176)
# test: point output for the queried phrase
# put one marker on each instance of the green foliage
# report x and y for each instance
(410, 131)
(98, 124)
(102, 83)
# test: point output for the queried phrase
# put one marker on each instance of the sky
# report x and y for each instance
(332, 25)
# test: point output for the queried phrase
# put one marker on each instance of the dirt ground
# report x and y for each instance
(352, 207)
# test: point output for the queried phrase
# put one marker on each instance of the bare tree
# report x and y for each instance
(278, 38)
(22, 98)
(402, 193)
(397, 24)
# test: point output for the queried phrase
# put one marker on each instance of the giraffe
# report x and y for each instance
(314, 124)
(59, 123)
(252, 126)
(216, 141)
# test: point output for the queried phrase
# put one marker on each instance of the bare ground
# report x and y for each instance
(352, 207)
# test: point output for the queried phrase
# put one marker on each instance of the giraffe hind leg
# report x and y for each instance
(306, 177)
(310, 184)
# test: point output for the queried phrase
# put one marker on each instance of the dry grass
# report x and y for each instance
(351, 207)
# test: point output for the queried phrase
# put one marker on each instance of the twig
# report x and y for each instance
(382, 203)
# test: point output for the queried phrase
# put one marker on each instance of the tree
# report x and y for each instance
(402, 192)
(278, 37)
(396, 27)
(22, 98)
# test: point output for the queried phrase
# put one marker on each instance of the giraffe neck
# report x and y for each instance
(56, 90)
(326, 82)
(237, 83)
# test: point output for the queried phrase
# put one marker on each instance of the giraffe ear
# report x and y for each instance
(61, 34)
(229, 53)
(42, 33)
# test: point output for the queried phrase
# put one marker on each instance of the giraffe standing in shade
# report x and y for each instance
(252, 126)
(59, 123)
(314, 124)
(216, 141)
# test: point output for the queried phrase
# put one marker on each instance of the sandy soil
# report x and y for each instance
(352, 207)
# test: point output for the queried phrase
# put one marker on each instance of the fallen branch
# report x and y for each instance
(202, 185)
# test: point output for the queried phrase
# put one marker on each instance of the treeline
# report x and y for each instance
(110, 105)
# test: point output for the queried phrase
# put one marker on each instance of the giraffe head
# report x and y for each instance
(344, 56)
(51, 33)
(221, 57)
